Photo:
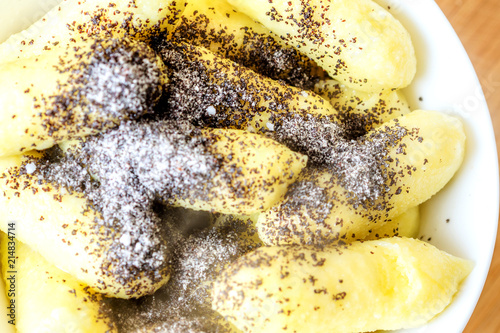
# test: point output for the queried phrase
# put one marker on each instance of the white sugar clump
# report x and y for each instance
(211, 110)
(30, 168)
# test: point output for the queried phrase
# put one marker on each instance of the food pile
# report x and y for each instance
(220, 166)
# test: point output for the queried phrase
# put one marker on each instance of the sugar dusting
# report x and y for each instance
(116, 79)
(359, 162)
(184, 304)
(123, 173)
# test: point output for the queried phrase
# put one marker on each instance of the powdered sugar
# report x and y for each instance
(123, 172)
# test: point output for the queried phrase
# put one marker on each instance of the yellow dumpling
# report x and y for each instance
(420, 164)
(366, 286)
(255, 174)
(48, 299)
(77, 20)
(356, 41)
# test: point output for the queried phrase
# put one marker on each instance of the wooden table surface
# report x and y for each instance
(477, 23)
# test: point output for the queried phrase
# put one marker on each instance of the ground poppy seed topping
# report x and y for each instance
(258, 51)
(194, 96)
(183, 305)
(114, 80)
(122, 173)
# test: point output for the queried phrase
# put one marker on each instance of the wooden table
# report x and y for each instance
(477, 23)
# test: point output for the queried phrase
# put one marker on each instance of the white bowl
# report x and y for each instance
(461, 219)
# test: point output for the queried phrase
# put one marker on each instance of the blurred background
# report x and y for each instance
(477, 23)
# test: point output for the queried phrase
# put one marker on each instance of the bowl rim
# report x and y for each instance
(440, 53)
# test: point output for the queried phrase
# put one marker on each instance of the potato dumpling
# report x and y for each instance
(374, 108)
(76, 91)
(419, 164)
(61, 227)
(217, 26)
(404, 225)
(76, 20)
(48, 299)
(218, 170)
(255, 174)
(356, 41)
(385, 284)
